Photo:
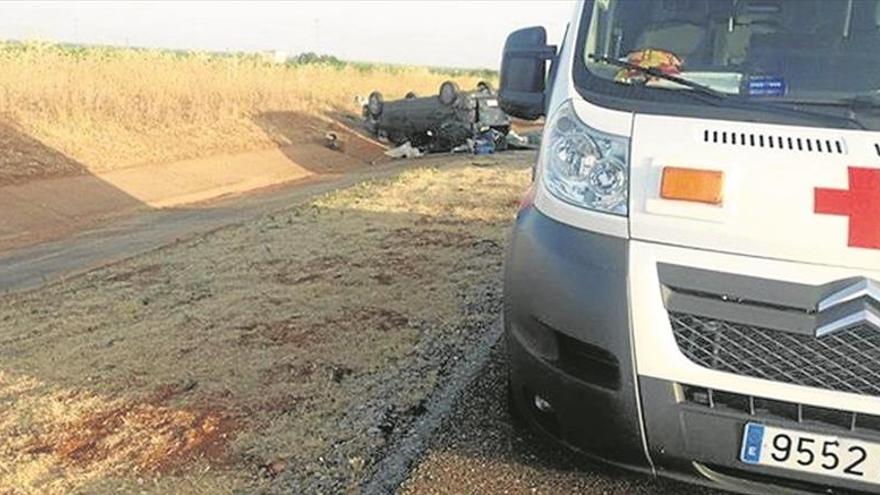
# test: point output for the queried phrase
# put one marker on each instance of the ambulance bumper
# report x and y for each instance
(567, 326)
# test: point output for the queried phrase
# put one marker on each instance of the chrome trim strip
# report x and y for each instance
(862, 317)
(864, 288)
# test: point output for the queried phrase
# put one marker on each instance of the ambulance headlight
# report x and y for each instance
(585, 167)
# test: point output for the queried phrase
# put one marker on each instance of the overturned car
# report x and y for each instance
(441, 122)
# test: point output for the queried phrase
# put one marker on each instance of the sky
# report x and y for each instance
(440, 33)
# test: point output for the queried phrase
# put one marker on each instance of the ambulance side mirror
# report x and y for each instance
(522, 91)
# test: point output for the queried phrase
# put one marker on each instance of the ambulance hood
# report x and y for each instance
(792, 193)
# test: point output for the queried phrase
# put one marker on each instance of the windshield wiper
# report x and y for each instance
(857, 102)
(701, 88)
(852, 105)
(723, 99)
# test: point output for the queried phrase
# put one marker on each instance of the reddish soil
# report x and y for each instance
(150, 435)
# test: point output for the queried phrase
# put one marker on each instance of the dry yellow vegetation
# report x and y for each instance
(65, 110)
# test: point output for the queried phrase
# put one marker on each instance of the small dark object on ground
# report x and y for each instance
(274, 468)
(440, 122)
(331, 140)
(388, 421)
(338, 373)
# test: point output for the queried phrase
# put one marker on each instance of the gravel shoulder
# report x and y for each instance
(481, 449)
(285, 354)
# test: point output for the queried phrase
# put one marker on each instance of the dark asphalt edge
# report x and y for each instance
(397, 466)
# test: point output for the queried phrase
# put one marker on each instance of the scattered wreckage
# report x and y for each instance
(452, 120)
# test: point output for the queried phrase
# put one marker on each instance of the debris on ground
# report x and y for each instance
(528, 141)
(405, 150)
(331, 140)
(351, 141)
(486, 142)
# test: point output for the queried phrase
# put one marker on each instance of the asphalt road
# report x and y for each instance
(479, 449)
(31, 267)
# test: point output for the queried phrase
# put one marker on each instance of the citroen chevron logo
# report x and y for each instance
(857, 304)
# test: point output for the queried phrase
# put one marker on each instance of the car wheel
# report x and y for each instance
(375, 104)
(485, 87)
(410, 95)
(448, 93)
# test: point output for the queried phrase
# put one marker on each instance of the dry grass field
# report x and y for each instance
(280, 355)
(69, 110)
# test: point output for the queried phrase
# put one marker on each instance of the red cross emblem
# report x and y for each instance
(861, 203)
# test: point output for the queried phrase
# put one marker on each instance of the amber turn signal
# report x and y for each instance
(690, 184)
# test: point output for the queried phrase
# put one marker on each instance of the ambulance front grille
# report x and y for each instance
(764, 409)
(845, 361)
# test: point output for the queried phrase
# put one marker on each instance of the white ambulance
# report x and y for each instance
(692, 288)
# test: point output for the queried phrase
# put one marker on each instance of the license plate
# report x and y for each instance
(826, 455)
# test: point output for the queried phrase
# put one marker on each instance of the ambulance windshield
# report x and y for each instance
(808, 51)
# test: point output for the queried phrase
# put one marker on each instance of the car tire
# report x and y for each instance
(411, 95)
(485, 87)
(448, 93)
(375, 104)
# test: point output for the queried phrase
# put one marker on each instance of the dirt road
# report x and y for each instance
(36, 265)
